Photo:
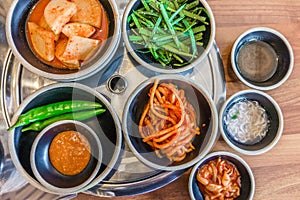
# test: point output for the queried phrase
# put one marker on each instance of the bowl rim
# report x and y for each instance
(272, 31)
(73, 189)
(222, 153)
(278, 132)
(118, 145)
(214, 119)
(81, 74)
(194, 63)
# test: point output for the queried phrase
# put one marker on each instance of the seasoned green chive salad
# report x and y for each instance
(171, 31)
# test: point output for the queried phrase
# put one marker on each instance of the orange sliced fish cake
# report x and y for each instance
(76, 49)
(89, 12)
(78, 29)
(59, 12)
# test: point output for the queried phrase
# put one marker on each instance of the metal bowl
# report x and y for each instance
(246, 175)
(147, 60)
(16, 37)
(46, 173)
(273, 53)
(205, 111)
(275, 118)
(107, 127)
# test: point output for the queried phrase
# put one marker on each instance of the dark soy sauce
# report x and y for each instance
(257, 61)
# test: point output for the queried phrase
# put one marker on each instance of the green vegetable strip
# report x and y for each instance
(177, 21)
(145, 32)
(146, 6)
(199, 29)
(136, 21)
(192, 5)
(192, 37)
(156, 25)
(170, 27)
(79, 116)
(54, 109)
(135, 38)
(151, 14)
(174, 50)
(154, 5)
(150, 24)
(176, 13)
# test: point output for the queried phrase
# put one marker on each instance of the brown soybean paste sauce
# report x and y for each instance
(38, 12)
(69, 152)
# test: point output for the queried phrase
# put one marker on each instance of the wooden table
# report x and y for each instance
(277, 172)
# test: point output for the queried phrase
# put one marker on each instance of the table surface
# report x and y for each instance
(277, 171)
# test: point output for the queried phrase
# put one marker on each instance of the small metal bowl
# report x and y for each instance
(147, 60)
(46, 173)
(206, 113)
(107, 127)
(274, 130)
(16, 36)
(247, 177)
(262, 58)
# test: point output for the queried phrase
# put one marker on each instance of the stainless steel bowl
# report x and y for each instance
(246, 175)
(275, 118)
(206, 114)
(149, 62)
(16, 37)
(269, 62)
(107, 127)
(46, 173)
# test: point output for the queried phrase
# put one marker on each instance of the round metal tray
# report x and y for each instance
(116, 82)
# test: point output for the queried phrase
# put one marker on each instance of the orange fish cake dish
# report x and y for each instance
(64, 33)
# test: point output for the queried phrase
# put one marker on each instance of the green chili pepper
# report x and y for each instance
(53, 109)
(80, 116)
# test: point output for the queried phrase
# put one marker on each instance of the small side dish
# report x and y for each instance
(262, 58)
(221, 175)
(251, 122)
(64, 33)
(171, 33)
(168, 122)
(70, 152)
(247, 122)
(219, 179)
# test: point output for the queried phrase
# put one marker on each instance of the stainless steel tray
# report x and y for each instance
(131, 177)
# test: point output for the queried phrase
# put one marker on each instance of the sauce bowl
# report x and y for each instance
(106, 125)
(262, 58)
(43, 168)
(274, 117)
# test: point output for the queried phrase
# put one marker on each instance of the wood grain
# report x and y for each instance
(277, 171)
